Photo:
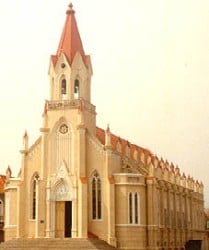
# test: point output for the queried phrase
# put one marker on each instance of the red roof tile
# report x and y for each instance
(100, 133)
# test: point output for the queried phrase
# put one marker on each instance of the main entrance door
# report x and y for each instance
(63, 222)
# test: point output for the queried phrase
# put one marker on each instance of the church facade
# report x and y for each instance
(79, 181)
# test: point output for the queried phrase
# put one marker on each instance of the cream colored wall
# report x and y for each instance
(55, 119)
(32, 166)
(11, 216)
(96, 161)
(131, 237)
(41, 216)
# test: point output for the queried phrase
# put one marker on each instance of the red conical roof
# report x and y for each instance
(70, 41)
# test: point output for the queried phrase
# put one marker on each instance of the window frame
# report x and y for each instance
(96, 197)
(133, 208)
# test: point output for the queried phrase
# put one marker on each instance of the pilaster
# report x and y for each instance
(44, 150)
(110, 194)
(75, 216)
(18, 213)
(82, 184)
(24, 152)
(151, 227)
(110, 190)
(21, 191)
(37, 209)
(48, 209)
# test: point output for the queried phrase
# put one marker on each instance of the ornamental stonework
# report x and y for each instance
(63, 129)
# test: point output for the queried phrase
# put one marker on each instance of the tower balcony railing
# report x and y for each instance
(70, 104)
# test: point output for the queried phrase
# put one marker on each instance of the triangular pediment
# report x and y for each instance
(62, 62)
(78, 62)
(62, 172)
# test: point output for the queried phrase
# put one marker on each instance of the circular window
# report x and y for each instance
(63, 65)
(63, 129)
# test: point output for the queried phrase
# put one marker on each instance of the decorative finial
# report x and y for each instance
(25, 134)
(25, 140)
(8, 172)
(108, 128)
(108, 137)
(70, 10)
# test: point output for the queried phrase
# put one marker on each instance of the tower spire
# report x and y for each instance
(70, 84)
(70, 41)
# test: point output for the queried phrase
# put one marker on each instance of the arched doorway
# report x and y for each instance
(63, 212)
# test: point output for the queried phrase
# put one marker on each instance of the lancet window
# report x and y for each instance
(134, 208)
(96, 197)
(34, 195)
(63, 88)
(34, 199)
(76, 89)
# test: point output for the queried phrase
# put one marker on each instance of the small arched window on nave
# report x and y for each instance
(96, 197)
(34, 196)
(34, 199)
(76, 89)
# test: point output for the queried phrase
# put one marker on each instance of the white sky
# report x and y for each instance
(151, 71)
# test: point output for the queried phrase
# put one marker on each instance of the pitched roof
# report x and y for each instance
(70, 41)
(115, 140)
(146, 156)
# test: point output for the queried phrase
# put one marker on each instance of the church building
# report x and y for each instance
(78, 180)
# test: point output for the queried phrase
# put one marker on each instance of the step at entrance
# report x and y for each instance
(56, 244)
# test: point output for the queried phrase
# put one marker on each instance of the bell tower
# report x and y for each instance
(68, 117)
(70, 73)
(70, 69)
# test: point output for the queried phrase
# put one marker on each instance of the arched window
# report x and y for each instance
(76, 89)
(63, 88)
(130, 209)
(134, 208)
(96, 197)
(34, 199)
(34, 196)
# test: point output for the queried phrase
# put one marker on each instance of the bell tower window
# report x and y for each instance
(63, 88)
(76, 89)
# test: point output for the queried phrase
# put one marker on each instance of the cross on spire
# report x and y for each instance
(70, 10)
